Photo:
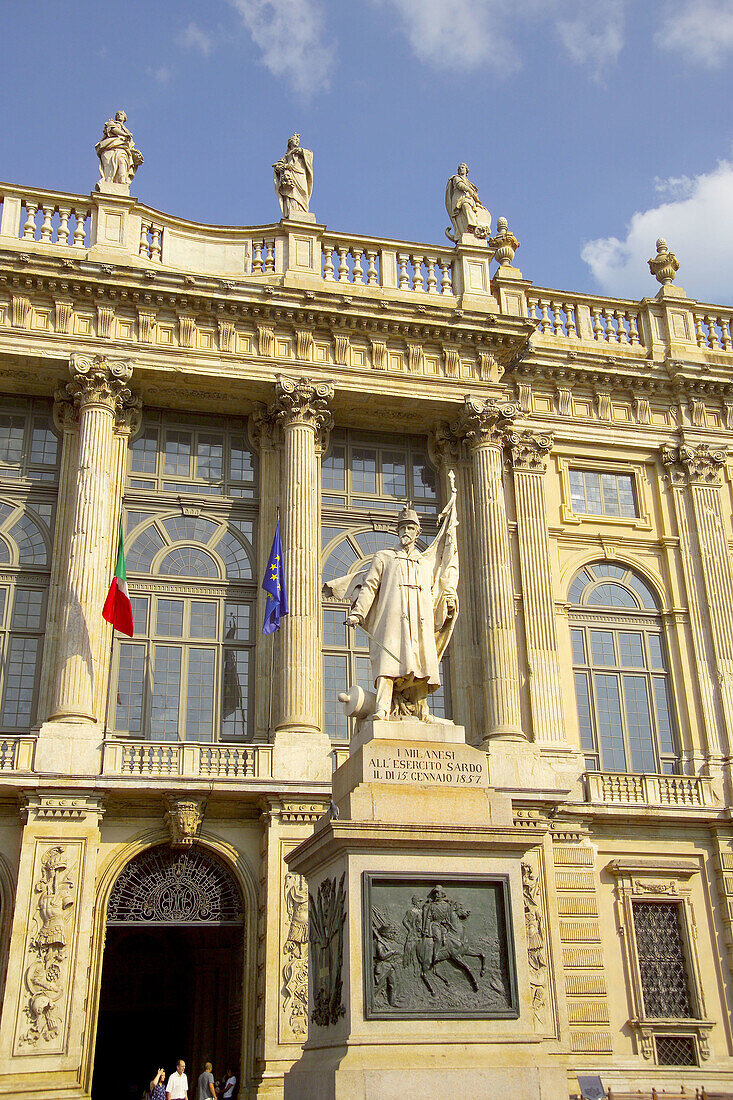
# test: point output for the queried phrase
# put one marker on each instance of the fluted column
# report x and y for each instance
(263, 434)
(529, 450)
(697, 471)
(99, 395)
(302, 410)
(484, 424)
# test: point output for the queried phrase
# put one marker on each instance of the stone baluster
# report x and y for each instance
(599, 332)
(143, 249)
(81, 217)
(713, 339)
(545, 322)
(372, 273)
(328, 262)
(269, 257)
(99, 400)
(529, 452)
(357, 254)
(621, 334)
(694, 477)
(29, 227)
(257, 247)
(403, 279)
(725, 332)
(301, 410)
(432, 282)
(155, 244)
(446, 276)
(557, 320)
(47, 227)
(570, 323)
(343, 254)
(62, 235)
(633, 319)
(700, 336)
(417, 275)
(484, 425)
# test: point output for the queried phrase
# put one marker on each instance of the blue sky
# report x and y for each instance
(594, 126)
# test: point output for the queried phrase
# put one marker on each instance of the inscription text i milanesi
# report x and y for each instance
(424, 764)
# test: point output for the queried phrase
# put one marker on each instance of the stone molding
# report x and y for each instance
(529, 449)
(61, 807)
(98, 381)
(700, 465)
(485, 422)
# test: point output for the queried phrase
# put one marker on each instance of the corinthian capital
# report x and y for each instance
(303, 401)
(701, 465)
(529, 450)
(97, 380)
(485, 422)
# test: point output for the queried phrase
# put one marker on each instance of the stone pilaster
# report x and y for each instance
(529, 450)
(301, 410)
(100, 401)
(694, 476)
(484, 425)
(45, 1027)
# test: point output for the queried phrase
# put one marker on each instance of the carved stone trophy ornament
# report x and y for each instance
(293, 175)
(45, 976)
(407, 604)
(470, 220)
(119, 159)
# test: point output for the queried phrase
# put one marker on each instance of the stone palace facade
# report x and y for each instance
(201, 381)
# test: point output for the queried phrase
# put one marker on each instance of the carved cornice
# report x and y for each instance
(61, 807)
(304, 401)
(98, 380)
(484, 422)
(529, 450)
(700, 465)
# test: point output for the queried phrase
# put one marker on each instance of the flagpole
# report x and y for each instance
(272, 655)
(109, 682)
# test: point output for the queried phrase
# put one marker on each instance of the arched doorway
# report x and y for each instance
(172, 972)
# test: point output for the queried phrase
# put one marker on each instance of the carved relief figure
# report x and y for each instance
(295, 970)
(327, 914)
(44, 977)
(466, 211)
(388, 952)
(535, 940)
(293, 175)
(407, 603)
(119, 160)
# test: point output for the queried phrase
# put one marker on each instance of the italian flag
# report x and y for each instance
(117, 607)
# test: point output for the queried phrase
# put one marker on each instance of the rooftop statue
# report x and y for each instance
(294, 179)
(119, 160)
(467, 213)
(406, 602)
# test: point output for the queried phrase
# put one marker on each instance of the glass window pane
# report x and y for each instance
(144, 452)
(203, 619)
(363, 470)
(335, 679)
(334, 629)
(190, 528)
(664, 721)
(238, 620)
(371, 541)
(44, 444)
(639, 721)
(3, 602)
(140, 555)
(593, 503)
(333, 470)
(241, 461)
(394, 474)
(177, 453)
(626, 497)
(642, 590)
(578, 587)
(130, 686)
(577, 490)
(200, 694)
(612, 595)
(235, 693)
(20, 675)
(209, 452)
(601, 642)
(27, 609)
(631, 652)
(339, 561)
(609, 487)
(606, 569)
(236, 558)
(578, 646)
(585, 720)
(188, 561)
(424, 486)
(166, 693)
(169, 618)
(655, 651)
(4, 553)
(12, 429)
(31, 544)
(608, 706)
(139, 614)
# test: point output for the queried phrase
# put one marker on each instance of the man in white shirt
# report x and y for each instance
(230, 1084)
(177, 1088)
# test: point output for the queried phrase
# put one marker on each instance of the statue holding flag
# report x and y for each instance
(407, 603)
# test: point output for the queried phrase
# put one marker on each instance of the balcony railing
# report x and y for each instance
(16, 753)
(189, 760)
(623, 788)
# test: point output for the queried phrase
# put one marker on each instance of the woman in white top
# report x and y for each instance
(230, 1084)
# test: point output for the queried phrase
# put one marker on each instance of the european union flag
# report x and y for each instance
(274, 586)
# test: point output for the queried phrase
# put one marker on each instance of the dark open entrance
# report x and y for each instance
(172, 973)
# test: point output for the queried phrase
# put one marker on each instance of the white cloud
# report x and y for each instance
(699, 30)
(465, 34)
(196, 39)
(290, 35)
(698, 227)
(162, 74)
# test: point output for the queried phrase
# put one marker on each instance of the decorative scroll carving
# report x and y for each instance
(266, 340)
(327, 915)
(642, 410)
(379, 354)
(226, 334)
(443, 445)
(46, 975)
(21, 311)
(64, 311)
(304, 344)
(701, 465)
(295, 951)
(105, 321)
(163, 886)
(304, 401)
(484, 421)
(183, 818)
(146, 322)
(536, 950)
(97, 380)
(341, 348)
(642, 886)
(489, 368)
(186, 330)
(529, 450)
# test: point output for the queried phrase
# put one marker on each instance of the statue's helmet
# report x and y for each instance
(408, 515)
(437, 893)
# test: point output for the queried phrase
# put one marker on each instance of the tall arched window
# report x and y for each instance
(621, 672)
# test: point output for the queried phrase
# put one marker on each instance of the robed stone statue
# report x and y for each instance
(406, 602)
(119, 159)
(293, 175)
(467, 213)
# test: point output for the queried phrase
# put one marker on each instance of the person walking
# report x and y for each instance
(230, 1084)
(205, 1089)
(177, 1083)
(157, 1086)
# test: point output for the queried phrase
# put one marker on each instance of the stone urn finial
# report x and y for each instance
(664, 266)
(505, 244)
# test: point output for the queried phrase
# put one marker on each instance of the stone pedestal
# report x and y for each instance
(419, 980)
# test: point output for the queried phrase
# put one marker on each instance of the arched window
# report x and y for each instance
(186, 673)
(621, 672)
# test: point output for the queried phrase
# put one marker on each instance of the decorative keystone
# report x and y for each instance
(183, 818)
(505, 244)
(664, 266)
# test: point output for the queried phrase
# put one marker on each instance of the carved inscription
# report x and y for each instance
(422, 765)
